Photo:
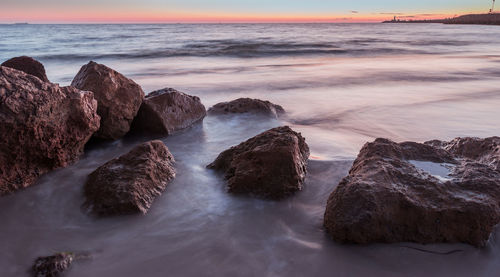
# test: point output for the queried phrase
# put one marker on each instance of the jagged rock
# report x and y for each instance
(27, 65)
(43, 127)
(247, 105)
(130, 183)
(424, 193)
(485, 151)
(165, 111)
(118, 98)
(270, 165)
(52, 266)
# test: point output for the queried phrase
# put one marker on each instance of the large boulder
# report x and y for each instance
(53, 266)
(270, 165)
(165, 111)
(130, 183)
(118, 98)
(425, 193)
(247, 105)
(27, 65)
(43, 127)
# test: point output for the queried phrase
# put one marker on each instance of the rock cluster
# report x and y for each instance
(394, 191)
(44, 127)
(165, 111)
(130, 183)
(248, 105)
(270, 165)
(389, 197)
(118, 98)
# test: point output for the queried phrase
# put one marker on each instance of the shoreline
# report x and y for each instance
(468, 19)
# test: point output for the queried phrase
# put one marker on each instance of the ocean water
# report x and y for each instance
(341, 85)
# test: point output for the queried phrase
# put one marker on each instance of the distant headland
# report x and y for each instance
(481, 19)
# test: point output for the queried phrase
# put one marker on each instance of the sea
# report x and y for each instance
(342, 85)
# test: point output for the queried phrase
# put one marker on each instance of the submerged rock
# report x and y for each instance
(270, 165)
(424, 193)
(27, 65)
(247, 105)
(165, 111)
(43, 127)
(130, 183)
(52, 266)
(118, 97)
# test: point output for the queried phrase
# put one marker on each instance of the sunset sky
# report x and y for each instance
(145, 11)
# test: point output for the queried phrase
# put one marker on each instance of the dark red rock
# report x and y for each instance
(387, 198)
(52, 266)
(27, 65)
(130, 183)
(43, 127)
(165, 111)
(270, 165)
(247, 105)
(118, 98)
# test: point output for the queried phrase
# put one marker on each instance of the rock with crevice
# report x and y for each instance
(43, 127)
(271, 165)
(167, 110)
(412, 192)
(27, 65)
(118, 98)
(130, 183)
(247, 105)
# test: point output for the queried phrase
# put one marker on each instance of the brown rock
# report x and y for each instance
(248, 105)
(165, 111)
(43, 127)
(27, 65)
(392, 194)
(52, 266)
(130, 183)
(118, 98)
(485, 151)
(270, 165)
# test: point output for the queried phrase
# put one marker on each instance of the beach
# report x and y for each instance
(342, 85)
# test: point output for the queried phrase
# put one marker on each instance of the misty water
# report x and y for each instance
(342, 85)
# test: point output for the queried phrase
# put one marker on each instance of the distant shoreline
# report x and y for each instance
(479, 19)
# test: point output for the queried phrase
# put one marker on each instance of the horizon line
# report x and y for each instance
(188, 22)
(229, 19)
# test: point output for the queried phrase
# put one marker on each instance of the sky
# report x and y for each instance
(173, 11)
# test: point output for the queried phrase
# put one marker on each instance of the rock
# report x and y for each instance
(165, 111)
(485, 151)
(27, 65)
(398, 192)
(248, 105)
(130, 183)
(270, 165)
(52, 266)
(43, 127)
(118, 98)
